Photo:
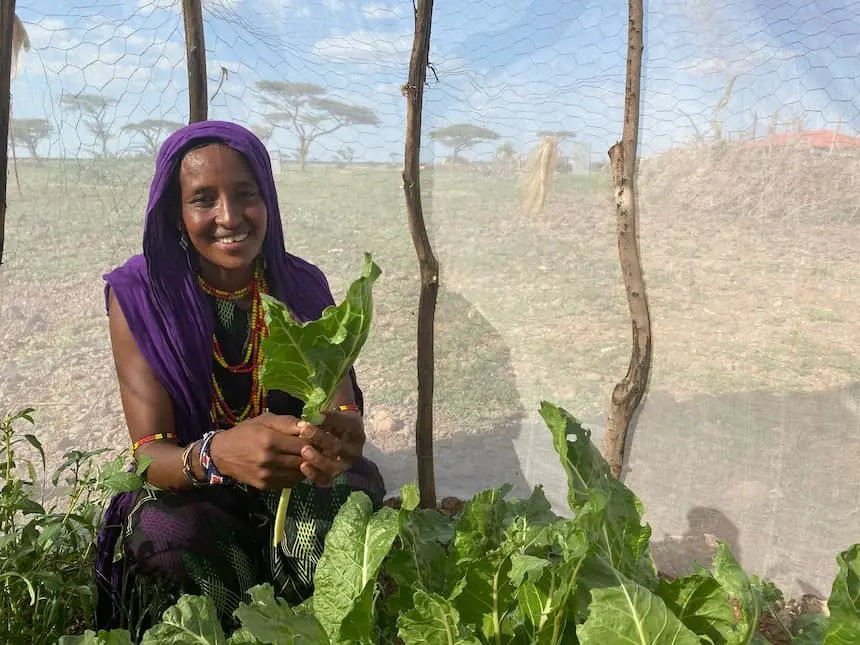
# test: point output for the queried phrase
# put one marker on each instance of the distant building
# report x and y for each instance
(817, 139)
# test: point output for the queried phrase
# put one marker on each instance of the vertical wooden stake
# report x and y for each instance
(622, 156)
(414, 92)
(195, 52)
(7, 26)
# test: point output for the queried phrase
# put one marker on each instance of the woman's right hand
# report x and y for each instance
(263, 452)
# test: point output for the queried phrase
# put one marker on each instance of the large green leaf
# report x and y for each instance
(481, 527)
(810, 629)
(433, 620)
(736, 583)
(420, 560)
(310, 359)
(845, 631)
(844, 601)
(485, 594)
(604, 507)
(345, 580)
(702, 605)
(544, 604)
(192, 620)
(272, 620)
(631, 613)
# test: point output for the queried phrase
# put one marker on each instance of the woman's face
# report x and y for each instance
(222, 209)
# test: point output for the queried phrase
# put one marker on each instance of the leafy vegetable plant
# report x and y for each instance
(309, 360)
(509, 572)
(46, 547)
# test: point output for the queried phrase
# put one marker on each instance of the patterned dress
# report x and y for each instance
(217, 540)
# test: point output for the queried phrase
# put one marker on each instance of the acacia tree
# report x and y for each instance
(306, 111)
(30, 133)
(152, 131)
(93, 110)
(264, 132)
(462, 136)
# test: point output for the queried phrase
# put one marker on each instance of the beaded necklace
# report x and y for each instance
(221, 412)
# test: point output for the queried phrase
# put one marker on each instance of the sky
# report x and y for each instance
(514, 66)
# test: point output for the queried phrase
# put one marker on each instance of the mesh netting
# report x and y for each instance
(750, 234)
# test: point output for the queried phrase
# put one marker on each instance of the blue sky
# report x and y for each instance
(515, 66)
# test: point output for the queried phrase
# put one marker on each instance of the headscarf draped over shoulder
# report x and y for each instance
(172, 323)
(158, 292)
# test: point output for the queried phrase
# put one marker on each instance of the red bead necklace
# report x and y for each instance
(221, 412)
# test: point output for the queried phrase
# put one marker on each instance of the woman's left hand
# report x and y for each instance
(335, 443)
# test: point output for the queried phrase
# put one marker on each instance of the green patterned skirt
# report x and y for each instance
(218, 542)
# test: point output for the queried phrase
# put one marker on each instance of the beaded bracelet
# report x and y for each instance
(212, 474)
(348, 408)
(153, 437)
(188, 470)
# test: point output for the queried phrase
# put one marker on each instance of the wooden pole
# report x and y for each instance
(195, 52)
(622, 156)
(414, 92)
(7, 26)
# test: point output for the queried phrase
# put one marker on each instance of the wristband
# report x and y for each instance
(210, 470)
(186, 466)
(153, 437)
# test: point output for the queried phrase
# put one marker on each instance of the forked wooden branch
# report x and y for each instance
(628, 393)
(414, 93)
(195, 52)
(7, 26)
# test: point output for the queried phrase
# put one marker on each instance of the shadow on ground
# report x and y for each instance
(478, 413)
(774, 474)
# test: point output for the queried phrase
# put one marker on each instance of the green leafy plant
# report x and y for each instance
(509, 572)
(309, 360)
(46, 550)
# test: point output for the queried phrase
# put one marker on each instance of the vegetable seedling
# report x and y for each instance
(309, 360)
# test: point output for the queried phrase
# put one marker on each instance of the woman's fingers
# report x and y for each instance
(319, 468)
(349, 425)
(323, 441)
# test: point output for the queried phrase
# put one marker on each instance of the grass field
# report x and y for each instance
(528, 309)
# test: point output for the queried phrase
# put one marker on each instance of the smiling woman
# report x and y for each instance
(223, 214)
(186, 327)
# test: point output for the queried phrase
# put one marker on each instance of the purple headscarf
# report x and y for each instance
(166, 310)
(169, 317)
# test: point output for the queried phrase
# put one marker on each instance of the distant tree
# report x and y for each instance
(93, 110)
(462, 136)
(264, 131)
(346, 154)
(30, 133)
(153, 132)
(505, 151)
(305, 110)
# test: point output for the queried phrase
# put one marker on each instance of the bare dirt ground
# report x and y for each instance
(751, 263)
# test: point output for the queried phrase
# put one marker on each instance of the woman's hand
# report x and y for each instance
(333, 445)
(263, 452)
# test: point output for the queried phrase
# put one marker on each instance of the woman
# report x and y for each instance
(185, 327)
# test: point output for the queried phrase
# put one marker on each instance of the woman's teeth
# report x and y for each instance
(233, 239)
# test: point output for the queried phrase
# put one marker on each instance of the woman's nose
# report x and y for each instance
(229, 213)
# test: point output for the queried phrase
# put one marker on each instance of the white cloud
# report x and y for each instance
(742, 58)
(334, 5)
(48, 32)
(148, 7)
(379, 11)
(368, 47)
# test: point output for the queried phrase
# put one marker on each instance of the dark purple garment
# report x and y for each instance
(167, 312)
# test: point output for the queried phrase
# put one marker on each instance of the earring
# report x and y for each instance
(183, 239)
